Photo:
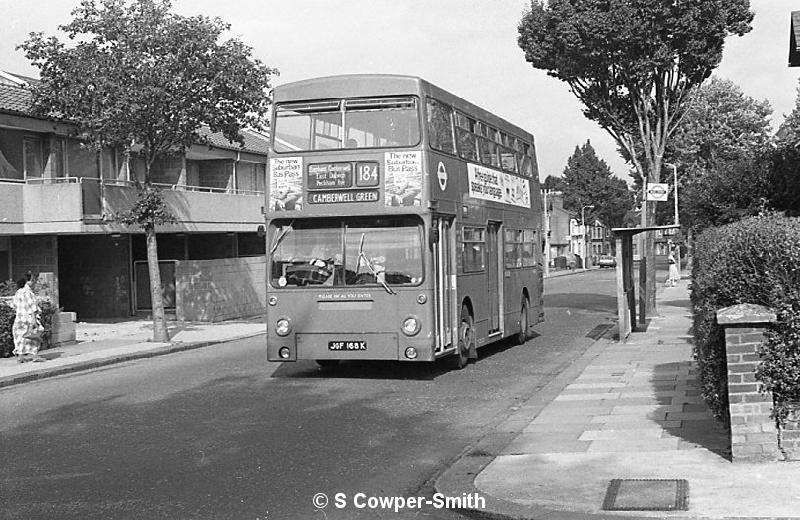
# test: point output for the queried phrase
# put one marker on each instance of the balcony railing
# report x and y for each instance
(94, 201)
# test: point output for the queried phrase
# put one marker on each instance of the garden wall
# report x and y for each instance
(220, 289)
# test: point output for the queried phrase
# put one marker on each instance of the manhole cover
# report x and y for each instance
(647, 495)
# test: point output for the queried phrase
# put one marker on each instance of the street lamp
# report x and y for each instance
(675, 177)
(583, 223)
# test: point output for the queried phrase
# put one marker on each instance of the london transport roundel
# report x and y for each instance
(441, 173)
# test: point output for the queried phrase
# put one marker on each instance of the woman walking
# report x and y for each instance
(26, 323)
(673, 270)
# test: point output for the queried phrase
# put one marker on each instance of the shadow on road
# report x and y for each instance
(389, 370)
(582, 301)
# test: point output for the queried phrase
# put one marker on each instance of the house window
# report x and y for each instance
(109, 163)
(33, 157)
(82, 160)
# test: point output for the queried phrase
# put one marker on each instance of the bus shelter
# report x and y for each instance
(626, 287)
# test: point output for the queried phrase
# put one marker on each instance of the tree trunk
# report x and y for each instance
(160, 331)
(648, 253)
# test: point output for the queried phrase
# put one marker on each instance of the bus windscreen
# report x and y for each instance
(346, 124)
(347, 252)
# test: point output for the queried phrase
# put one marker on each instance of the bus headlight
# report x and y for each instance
(283, 327)
(410, 326)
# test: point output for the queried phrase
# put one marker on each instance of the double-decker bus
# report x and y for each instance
(403, 223)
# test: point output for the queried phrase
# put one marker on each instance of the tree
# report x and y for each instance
(721, 149)
(553, 183)
(632, 63)
(724, 134)
(784, 179)
(137, 76)
(587, 180)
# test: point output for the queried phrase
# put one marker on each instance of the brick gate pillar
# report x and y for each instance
(753, 433)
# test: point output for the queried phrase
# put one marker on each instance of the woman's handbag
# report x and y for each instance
(34, 331)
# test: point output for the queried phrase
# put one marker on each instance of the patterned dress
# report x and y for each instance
(24, 302)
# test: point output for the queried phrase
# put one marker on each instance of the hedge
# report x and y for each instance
(755, 260)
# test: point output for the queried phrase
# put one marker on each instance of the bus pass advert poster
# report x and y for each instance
(403, 178)
(286, 183)
(488, 184)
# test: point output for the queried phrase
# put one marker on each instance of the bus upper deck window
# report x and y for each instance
(307, 126)
(440, 130)
(381, 122)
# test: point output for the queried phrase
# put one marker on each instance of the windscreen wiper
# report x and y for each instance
(368, 263)
(280, 237)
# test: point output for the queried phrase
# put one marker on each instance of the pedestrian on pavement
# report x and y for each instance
(673, 270)
(27, 328)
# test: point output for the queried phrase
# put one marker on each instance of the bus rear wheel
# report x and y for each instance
(466, 338)
(327, 363)
(522, 335)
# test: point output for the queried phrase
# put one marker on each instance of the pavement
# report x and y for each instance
(629, 411)
(104, 343)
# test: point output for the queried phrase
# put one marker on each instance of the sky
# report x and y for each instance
(468, 47)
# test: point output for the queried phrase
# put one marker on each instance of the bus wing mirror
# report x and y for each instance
(433, 236)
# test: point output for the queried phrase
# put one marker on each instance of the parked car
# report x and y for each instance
(607, 261)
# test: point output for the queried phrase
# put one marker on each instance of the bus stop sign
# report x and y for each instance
(657, 192)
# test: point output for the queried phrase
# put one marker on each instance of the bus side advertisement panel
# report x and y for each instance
(496, 186)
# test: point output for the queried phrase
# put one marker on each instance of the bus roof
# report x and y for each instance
(364, 85)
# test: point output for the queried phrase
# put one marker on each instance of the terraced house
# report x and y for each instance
(57, 205)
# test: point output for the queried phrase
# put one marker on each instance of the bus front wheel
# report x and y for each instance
(522, 335)
(466, 338)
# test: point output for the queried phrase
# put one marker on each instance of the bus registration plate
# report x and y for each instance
(347, 345)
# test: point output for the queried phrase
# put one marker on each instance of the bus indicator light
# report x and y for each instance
(421, 299)
(410, 326)
(411, 353)
(283, 327)
(284, 353)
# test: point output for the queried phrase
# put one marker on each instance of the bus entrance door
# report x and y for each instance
(493, 275)
(444, 272)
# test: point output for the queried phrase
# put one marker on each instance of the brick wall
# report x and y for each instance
(753, 433)
(221, 289)
(33, 253)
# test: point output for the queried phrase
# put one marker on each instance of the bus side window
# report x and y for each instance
(465, 137)
(528, 247)
(508, 159)
(488, 145)
(472, 249)
(440, 130)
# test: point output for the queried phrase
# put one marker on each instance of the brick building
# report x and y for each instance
(57, 207)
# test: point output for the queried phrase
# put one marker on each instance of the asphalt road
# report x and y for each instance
(218, 433)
